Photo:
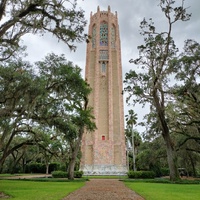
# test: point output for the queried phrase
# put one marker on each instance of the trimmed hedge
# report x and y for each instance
(59, 174)
(141, 174)
(41, 168)
(62, 174)
(35, 168)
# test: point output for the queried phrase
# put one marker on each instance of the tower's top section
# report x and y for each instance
(100, 13)
(104, 30)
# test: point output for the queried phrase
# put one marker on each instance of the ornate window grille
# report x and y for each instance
(103, 67)
(103, 55)
(103, 34)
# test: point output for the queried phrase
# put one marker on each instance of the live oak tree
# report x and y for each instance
(152, 155)
(60, 18)
(49, 147)
(152, 84)
(18, 92)
(54, 98)
(182, 111)
(82, 121)
(70, 114)
(185, 108)
(25, 95)
(187, 95)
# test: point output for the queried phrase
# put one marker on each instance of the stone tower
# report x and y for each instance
(103, 151)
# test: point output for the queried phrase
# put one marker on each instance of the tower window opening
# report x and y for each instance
(103, 34)
(103, 67)
(113, 36)
(94, 37)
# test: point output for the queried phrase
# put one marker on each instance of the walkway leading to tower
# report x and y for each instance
(104, 189)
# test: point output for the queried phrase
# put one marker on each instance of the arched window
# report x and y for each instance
(94, 36)
(104, 34)
(113, 36)
(103, 67)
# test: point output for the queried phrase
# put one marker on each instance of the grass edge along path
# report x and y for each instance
(34, 190)
(164, 191)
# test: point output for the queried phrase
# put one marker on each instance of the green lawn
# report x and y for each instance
(164, 191)
(10, 175)
(51, 190)
(33, 190)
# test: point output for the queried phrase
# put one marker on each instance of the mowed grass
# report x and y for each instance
(164, 191)
(33, 190)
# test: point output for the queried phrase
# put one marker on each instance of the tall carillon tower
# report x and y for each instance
(103, 151)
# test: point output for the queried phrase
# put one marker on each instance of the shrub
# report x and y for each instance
(35, 168)
(78, 174)
(156, 169)
(165, 171)
(141, 174)
(63, 167)
(59, 174)
(54, 167)
(62, 174)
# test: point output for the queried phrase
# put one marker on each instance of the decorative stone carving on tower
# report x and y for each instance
(103, 151)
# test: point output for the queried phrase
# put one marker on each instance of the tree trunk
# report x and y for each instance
(171, 154)
(8, 151)
(1, 167)
(71, 166)
(74, 155)
(15, 162)
(193, 166)
(171, 158)
(47, 168)
(2, 160)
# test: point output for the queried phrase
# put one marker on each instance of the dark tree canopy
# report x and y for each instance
(33, 104)
(45, 101)
(60, 18)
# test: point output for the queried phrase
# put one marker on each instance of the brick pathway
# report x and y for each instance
(104, 189)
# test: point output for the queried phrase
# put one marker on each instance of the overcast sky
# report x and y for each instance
(130, 14)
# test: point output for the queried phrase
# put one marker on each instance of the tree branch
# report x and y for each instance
(10, 23)
(2, 8)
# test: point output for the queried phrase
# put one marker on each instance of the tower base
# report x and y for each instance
(104, 170)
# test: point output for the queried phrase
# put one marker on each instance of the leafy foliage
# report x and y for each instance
(60, 18)
(46, 109)
(62, 174)
(59, 174)
(141, 174)
(152, 84)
